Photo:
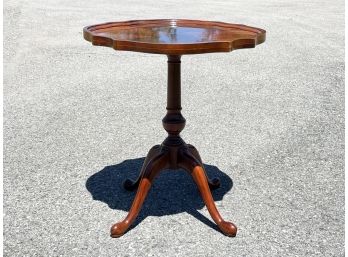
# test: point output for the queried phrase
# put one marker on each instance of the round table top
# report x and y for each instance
(174, 36)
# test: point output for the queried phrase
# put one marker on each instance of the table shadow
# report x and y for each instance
(172, 192)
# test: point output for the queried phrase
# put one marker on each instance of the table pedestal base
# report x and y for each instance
(173, 153)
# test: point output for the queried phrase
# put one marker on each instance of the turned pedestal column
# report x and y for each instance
(173, 153)
(174, 38)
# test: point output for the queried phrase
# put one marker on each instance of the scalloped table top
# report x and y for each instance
(173, 36)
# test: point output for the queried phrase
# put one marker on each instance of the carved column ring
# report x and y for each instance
(173, 123)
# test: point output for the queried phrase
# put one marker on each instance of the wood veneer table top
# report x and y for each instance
(174, 36)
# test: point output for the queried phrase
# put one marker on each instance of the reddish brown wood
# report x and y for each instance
(193, 166)
(173, 153)
(132, 185)
(213, 183)
(174, 36)
(153, 167)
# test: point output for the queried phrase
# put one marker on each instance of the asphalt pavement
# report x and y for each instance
(79, 119)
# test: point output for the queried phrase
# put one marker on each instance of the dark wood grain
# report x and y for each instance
(174, 36)
(193, 166)
(153, 167)
(173, 153)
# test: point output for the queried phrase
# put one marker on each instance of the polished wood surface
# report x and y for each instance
(174, 36)
(150, 171)
(173, 153)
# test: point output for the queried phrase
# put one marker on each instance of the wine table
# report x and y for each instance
(174, 38)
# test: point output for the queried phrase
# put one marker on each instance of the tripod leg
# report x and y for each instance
(130, 184)
(156, 164)
(214, 183)
(194, 167)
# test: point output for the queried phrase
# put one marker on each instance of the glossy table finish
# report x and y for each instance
(173, 38)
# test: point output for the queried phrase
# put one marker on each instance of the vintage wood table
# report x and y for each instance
(173, 38)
